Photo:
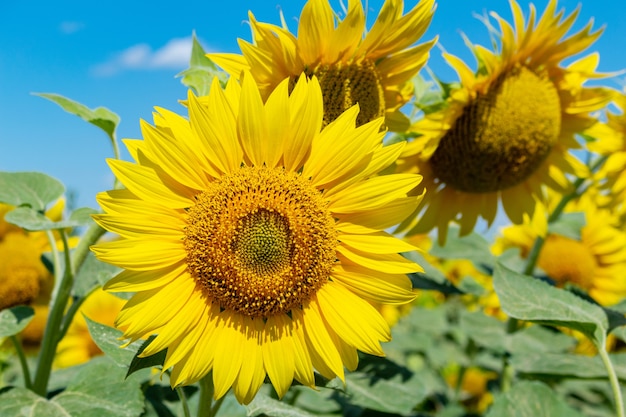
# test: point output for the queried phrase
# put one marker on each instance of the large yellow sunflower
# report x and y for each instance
(595, 263)
(353, 66)
(254, 239)
(506, 131)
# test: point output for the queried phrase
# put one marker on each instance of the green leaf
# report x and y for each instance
(31, 189)
(137, 363)
(101, 117)
(20, 402)
(486, 331)
(93, 273)
(536, 339)
(531, 399)
(527, 298)
(264, 405)
(100, 390)
(33, 220)
(108, 340)
(201, 71)
(13, 320)
(472, 247)
(568, 225)
(563, 365)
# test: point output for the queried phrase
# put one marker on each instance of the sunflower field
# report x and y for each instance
(324, 227)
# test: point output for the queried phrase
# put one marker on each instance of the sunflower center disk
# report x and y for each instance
(503, 136)
(260, 241)
(262, 244)
(345, 85)
(567, 260)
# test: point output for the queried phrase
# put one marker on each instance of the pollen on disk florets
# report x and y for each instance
(502, 136)
(260, 241)
(344, 85)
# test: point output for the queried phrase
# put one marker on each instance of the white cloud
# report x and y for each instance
(174, 54)
(69, 27)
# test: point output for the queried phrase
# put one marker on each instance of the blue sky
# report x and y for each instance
(124, 56)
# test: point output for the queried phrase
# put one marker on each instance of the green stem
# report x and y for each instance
(50, 336)
(20, 353)
(206, 407)
(617, 392)
(56, 258)
(206, 396)
(183, 401)
(91, 236)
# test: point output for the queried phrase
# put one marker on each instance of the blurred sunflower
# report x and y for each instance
(77, 346)
(506, 131)
(254, 239)
(372, 68)
(611, 141)
(24, 279)
(475, 394)
(600, 253)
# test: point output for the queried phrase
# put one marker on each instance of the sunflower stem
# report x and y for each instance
(183, 401)
(55, 318)
(205, 404)
(617, 392)
(23, 363)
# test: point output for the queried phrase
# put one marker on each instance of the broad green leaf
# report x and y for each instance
(399, 394)
(531, 399)
(537, 339)
(20, 402)
(32, 220)
(13, 320)
(93, 273)
(201, 70)
(101, 117)
(264, 405)
(564, 365)
(31, 189)
(108, 340)
(486, 331)
(472, 247)
(100, 390)
(527, 298)
(137, 363)
(568, 225)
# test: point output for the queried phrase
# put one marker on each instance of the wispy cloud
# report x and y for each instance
(174, 54)
(69, 27)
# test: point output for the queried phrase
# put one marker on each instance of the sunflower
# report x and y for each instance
(254, 239)
(24, 279)
(594, 263)
(353, 66)
(506, 131)
(77, 346)
(611, 142)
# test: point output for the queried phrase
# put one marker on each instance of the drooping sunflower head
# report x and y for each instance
(371, 68)
(254, 239)
(507, 130)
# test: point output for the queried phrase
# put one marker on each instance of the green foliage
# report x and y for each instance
(527, 298)
(92, 274)
(13, 320)
(33, 220)
(30, 189)
(201, 71)
(531, 399)
(101, 117)
(568, 225)
(98, 389)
